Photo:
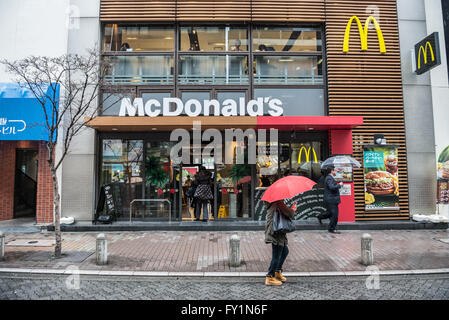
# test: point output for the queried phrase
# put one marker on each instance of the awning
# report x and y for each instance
(115, 123)
(21, 115)
(309, 123)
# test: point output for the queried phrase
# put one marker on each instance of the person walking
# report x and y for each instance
(332, 199)
(279, 243)
(203, 193)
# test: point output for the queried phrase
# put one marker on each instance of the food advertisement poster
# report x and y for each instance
(343, 171)
(381, 178)
(443, 177)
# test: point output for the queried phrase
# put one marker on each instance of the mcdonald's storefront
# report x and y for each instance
(325, 74)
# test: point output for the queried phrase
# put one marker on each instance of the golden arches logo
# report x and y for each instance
(364, 34)
(307, 152)
(423, 50)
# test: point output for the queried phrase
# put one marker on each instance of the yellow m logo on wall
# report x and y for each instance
(423, 50)
(307, 153)
(364, 34)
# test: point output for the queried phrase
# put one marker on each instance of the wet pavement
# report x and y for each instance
(310, 251)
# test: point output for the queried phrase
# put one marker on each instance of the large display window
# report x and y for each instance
(147, 186)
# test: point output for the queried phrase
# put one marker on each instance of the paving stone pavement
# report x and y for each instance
(310, 251)
(46, 287)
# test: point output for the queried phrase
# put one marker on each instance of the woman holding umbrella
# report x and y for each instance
(279, 243)
(284, 188)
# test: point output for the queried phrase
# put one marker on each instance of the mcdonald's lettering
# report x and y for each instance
(363, 31)
(427, 54)
(307, 153)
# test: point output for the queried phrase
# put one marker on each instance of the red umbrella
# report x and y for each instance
(244, 180)
(287, 188)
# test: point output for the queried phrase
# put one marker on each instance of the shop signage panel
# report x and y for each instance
(427, 53)
(21, 115)
(173, 107)
(381, 178)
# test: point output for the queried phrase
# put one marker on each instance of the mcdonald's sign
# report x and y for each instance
(427, 53)
(307, 153)
(363, 31)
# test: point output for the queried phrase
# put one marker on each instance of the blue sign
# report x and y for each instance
(373, 159)
(21, 115)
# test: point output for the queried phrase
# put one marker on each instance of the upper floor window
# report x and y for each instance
(132, 38)
(213, 38)
(286, 39)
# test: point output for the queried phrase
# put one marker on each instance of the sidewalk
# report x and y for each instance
(310, 251)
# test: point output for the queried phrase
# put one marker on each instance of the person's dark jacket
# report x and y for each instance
(331, 190)
(204, 177)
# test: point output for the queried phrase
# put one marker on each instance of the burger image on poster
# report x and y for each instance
(379, 183)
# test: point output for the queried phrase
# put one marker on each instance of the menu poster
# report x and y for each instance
(343, 171)
(381, 178)
(443, 192)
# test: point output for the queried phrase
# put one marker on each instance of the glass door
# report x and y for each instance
(161, 182)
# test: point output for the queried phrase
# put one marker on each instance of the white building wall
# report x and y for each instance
(418, 111)
(78, 176)
(30, 27)
(439, 85)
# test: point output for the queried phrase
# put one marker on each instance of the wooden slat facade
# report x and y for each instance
(367, 84)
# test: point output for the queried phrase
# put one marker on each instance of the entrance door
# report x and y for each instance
(187, 205)
(25, 187)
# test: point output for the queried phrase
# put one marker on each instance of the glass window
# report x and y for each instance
(138, 38)
(306, 159)
(213, 69)
(288, 70)
(159, 96)
(234, 95)
(214, 38)
(122, 168)
(286, 39)
(198, 95)
(139, 69)
(112, 102)
(296, 102)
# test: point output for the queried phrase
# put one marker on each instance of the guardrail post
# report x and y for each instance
(2, 246)
(102, 249)
(234, 251)
(367, 250)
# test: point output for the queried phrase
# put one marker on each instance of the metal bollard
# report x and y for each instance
(2, 246)
(102, 249)
(234, 251)
(367, 250)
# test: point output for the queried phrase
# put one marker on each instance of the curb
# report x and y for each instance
(223, 274)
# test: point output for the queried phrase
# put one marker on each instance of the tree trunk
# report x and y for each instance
(56, 203)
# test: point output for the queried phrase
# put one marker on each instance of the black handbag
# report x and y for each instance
(281, 223)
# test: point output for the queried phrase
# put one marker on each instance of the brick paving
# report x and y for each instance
(51, 287)
(310, 251)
